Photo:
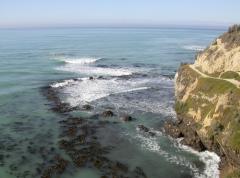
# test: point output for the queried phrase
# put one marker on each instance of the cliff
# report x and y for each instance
(208, 101)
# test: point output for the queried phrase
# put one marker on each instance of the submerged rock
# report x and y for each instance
(143, 128)
(87, 107)
(57, 168)
(126, 118)
(146, 130)
(78, 138)
(107, 113)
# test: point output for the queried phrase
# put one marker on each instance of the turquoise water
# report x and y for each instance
(137, 66)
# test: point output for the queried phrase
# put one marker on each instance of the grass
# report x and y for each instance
(235, 137)
(230, 75)
(211, 86)
(181, 107)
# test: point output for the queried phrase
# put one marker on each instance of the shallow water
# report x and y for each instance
(133, 73)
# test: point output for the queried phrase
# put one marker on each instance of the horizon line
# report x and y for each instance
(189, 26)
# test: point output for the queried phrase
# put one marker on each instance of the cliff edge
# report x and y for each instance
(208, 101)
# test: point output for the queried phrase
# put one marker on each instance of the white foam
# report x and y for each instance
(82, 61)
(152, 144)
(210, 159)
(86, 91)
(92, 70)
(85, 65)
(194, 47)
(61, 84)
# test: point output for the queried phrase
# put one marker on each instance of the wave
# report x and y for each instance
(210, 159)
(62, 84)
(80, 61)
(91, 70)
(194, 47)
(85, 90)
(131, 93)
(152, 144)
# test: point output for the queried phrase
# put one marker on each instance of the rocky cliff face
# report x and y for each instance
(222, 55)
(208, 99)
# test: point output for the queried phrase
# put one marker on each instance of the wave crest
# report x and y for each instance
(81, 61)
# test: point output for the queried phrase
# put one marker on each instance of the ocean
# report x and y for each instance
(129, 71)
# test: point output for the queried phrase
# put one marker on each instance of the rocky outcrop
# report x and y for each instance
(208, 99)
(222, 55)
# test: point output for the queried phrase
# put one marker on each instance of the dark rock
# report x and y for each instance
(72, 131)
(143, 128)
(100, 77)
(91, 78)
(120, 166)
(172, 129)
(146, 130)
(126, 118)
(56, 169)
(140, 172)
(87, 107)
(184, 129)
(152, 134)
(107, 113)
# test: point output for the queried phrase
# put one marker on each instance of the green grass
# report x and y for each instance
(181, 108)
(230, 75)
(235, 137)
(211, 87)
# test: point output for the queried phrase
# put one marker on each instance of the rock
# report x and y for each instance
(91, 78)
(100, 77)
(180, 129)
(126, 118)
(143, 128)
(139, 172)
(58, 167)
(172, 129)
(107, 113)
(87, 107)
(152, 134)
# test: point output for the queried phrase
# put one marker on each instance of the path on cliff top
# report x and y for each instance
(232, 81)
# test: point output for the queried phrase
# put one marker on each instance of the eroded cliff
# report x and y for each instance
(208, 100)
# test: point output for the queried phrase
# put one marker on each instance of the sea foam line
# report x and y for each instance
(194, 47)
(80, 61)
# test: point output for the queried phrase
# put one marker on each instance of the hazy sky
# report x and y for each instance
(34, 13)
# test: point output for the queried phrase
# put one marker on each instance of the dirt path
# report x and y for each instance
(232, 81)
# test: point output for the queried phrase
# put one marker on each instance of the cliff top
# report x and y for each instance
(232, 37)
(222, 55)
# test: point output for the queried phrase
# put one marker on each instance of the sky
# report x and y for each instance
(53, 13)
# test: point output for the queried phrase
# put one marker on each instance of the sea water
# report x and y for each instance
(133, 71)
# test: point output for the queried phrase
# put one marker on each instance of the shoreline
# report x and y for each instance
(177, 130)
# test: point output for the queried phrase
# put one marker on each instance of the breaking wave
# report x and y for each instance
(210, 159)
(82, 61)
